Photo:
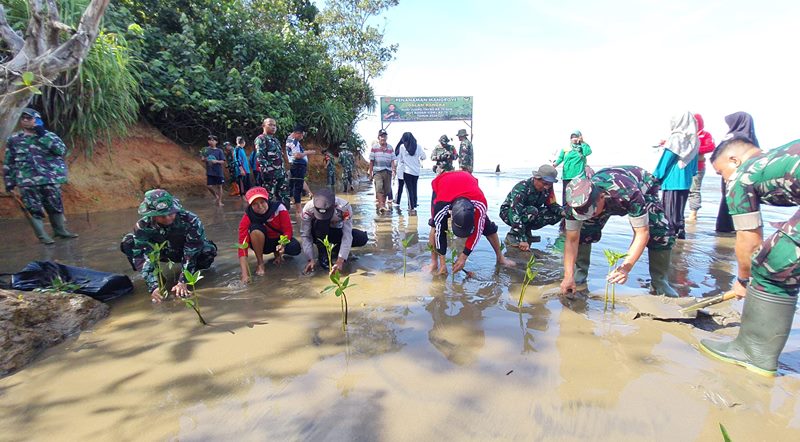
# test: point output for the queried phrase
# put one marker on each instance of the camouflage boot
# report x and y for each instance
(659, 269)
(38, 228)
(766, 322)
(59, 223)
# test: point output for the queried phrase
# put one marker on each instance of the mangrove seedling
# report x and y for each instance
(154, 256)
(59, 285)
(339, 285)
(243, 246)
(283, 240)
(530, 274)
(406, 242)
(328, 249)
(612, 257)
(192, 301)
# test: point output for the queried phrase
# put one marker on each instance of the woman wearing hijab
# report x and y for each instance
(741, 124)
(574, 159)
(676, 169)
(410, 156)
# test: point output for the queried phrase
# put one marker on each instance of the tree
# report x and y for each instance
(42, 55)
(352, 40)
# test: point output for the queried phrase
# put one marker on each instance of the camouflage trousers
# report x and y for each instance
(347, 179)
(529, 219)
(331, 178)
(41, 199)
(775, 268)
(277, 184)
(660, 238)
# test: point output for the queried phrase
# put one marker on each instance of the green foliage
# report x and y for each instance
(406, 242)
(283, 240)
(26, 81)
(612, 257)
(339, 285)
(154, 256)
(58, 285)
(192, 302)
(725, 436)
(530, 275)
(244, 246)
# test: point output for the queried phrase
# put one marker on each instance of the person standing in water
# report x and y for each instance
(706, 147)
(739, 124)
(676, 169)
(768, 271)
(465, 151)
(574, 160)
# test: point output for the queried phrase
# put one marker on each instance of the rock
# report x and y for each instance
(30, 322)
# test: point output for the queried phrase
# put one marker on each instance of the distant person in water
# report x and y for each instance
(263, 224)
(531, 205)
(457, 197)
(215, 177)
(706, 147)
(165, 220)
(497, 169)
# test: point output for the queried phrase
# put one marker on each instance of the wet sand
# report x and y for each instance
(424, 357)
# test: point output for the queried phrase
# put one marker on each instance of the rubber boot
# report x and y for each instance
(582, 263)
(765, 326)
(59, 223)
(659, 269)
(38, 228)
(234, 190)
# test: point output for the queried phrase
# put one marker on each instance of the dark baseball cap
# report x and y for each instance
(462, 213)
(31, 113)
(547, 173)
(382, 132)
(299, 128)
(582, 196)
(324, 204)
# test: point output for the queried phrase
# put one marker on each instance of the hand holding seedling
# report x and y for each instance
(181, 290)
(619, 275)
(459, 263)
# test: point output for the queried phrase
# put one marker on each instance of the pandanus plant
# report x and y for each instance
(339, 285)
(406, 242)
(192, 301)
(612, 257)
(155, 258)
(530, 274)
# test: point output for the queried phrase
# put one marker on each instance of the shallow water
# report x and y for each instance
(424, 357)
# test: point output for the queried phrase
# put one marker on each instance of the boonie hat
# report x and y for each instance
(462, 213)
(547, 173)
(582, 197)
(462, 133)
(324, 204)
(444, 139)
(158, 202)
(255, 193)
(31, 113)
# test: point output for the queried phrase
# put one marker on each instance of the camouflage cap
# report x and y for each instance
(30, 112)
(582, 198)
(443, 139)
(343, 146)
(158, 202)
(462, 133)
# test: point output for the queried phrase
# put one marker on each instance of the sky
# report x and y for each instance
(616, 70)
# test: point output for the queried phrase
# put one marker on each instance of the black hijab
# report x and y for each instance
(409, 142)
(741, 123)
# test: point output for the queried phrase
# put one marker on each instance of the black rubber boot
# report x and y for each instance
(659, 269)
(59, 223)
(766, 322)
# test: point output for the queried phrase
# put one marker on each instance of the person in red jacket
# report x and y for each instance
(456, 196)
(706, 146)
(261, 227)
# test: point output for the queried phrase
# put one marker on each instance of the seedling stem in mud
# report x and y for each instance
(192, 301)
(155, 259)
(612, 257)
(339, 285)
(530, 274)
(406, 242)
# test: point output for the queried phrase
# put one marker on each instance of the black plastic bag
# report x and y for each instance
(101, 286)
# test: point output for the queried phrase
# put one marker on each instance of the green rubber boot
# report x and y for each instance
(766, 322)
(59, 223)
(582, 263)
(659, 269)
(38, 228)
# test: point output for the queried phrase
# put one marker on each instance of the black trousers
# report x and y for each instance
(399, 190)
(674, 205)
(411, 187)
(321, 229)
(724, 219)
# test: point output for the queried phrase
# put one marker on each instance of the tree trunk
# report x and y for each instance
(42, 53)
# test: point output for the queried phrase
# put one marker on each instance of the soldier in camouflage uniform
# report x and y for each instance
(622, 190)
(330, 169)
(531, 205)
(269, 154)
(465, 152)
(443, 156)
(165, 220)
(34, 163)
(768, 273)
(348, 163)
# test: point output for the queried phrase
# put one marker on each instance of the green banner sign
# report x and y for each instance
(425, 108)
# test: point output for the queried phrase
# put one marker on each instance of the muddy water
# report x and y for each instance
(423, 358)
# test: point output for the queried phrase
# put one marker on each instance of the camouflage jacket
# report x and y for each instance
(347, 160)
(524, 196)
(32, 160)
(771, 178)
(232, 163)
(330, 165)
(269, 155)
(628, 190)
(185, 240)
(465, 154)
(443, 157)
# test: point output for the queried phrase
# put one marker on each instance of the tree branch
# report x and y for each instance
(73, 51)
(53, 23)
(12, 39)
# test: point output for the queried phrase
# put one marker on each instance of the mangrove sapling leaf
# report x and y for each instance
(725, 436)
(284, 240)
(244, 246)
(612, 257)
(59, 285)
(406, 242)
(328, 248)
(530, 275)
(193, 302)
